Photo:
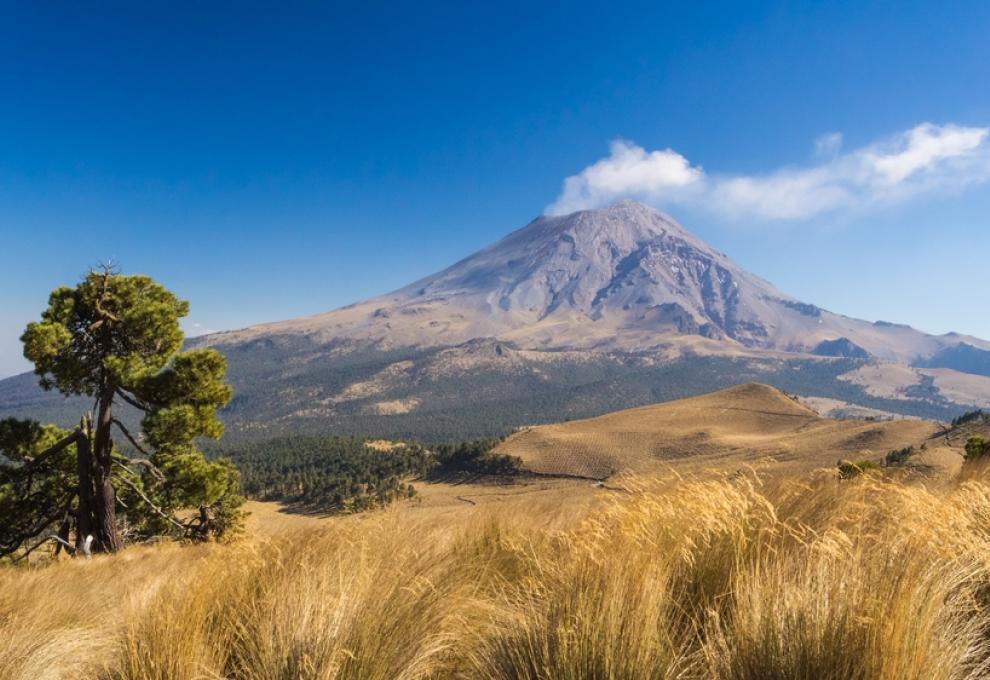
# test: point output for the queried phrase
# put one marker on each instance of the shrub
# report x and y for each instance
(849, 469)
(977, 448)
(899, 456)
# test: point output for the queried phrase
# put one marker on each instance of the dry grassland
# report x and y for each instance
(739, 577)
(735, 427)
(775, 572)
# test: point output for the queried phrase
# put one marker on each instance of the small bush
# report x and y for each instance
(977, 448)
(849, 469)
(899, 456)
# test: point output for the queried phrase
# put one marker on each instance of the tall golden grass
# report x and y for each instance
(732, 578)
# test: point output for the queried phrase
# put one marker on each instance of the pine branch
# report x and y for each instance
(24, 555)
(158, 510)
(71, 438)
(130, 437)
(125, 463)
(133, 401)
(145, 463)
(11, 545)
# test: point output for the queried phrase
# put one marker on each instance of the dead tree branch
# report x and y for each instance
(125, 463)
(61, 444)
(164, 515)
(133, 401)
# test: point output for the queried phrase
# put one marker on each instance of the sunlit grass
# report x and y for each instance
(725, 578)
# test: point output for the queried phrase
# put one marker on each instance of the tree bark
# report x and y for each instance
(63, 533)
(105, 506)
(84, 469)
(106, 512)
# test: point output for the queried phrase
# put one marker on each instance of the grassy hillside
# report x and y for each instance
(698, 577)
(733, 427)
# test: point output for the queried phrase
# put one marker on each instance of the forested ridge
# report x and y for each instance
(349, 474)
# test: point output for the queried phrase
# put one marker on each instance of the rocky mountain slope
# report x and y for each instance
(625, 278)
(568, 317)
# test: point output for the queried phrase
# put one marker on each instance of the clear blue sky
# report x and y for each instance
(271, 161)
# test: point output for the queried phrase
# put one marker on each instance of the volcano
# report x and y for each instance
(569, 317)
(626, 278)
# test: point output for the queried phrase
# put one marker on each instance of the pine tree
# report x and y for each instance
(117, 339)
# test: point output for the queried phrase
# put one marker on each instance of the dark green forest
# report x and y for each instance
(347, 474)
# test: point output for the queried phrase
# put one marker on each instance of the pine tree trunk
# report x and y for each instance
(105, 506)
(84, 468)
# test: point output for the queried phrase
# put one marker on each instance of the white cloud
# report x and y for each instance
(828, 146)
(629, 170)
(923, 148)
(923, 160)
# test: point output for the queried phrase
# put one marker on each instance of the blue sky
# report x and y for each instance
(269, 161)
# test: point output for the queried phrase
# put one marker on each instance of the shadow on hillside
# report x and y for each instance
(458, 478)
(308, 510)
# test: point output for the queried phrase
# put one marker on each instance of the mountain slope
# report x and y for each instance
(567, 317)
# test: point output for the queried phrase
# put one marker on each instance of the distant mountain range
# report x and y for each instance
(570, 316)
